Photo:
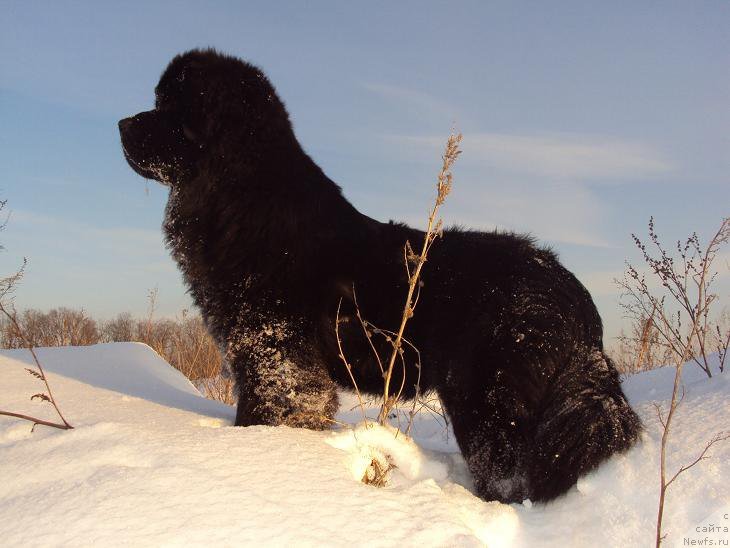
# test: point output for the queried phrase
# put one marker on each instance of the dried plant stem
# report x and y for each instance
(346, 363)
(645, 340)
(36, 421)
(64, 425)
(683, 346)
(152, 297)
(412, 412)
(433, 231)
(388, 334)
(666, 424)
(365, 331)
(413, 264)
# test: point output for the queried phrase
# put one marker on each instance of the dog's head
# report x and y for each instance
(207, 106)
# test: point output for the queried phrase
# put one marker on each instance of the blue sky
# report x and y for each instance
(580, 120)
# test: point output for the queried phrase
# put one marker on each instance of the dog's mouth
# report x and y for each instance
(156, 172)
(133, 146)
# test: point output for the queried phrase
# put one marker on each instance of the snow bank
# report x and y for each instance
(133, 369)
(151, 462)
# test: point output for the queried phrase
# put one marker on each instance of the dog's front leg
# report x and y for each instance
(281, 378)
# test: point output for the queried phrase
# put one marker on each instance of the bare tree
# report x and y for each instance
(123, 328)
(184, 342)
(57, 327)
(680, 313)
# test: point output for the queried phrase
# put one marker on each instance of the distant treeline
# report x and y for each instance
(184, 342)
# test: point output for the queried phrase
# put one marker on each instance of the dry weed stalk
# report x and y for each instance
(645, 340)
(666, 423)
(346, 363)
(39, 374)
(377, 474)
(413, 264)
(369, 329)
(152, 298)
(643, 349)
(395, 339)
(7, 286)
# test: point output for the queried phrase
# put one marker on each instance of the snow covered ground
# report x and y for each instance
(152, 463)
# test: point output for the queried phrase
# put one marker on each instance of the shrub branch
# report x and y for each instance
(687, 284)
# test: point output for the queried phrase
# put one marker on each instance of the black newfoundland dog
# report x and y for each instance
(509, 339)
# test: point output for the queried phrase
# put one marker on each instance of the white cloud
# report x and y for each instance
(538, 183)
(557, 155)
(560, 156)
(413, 99)
(565, 213)
(71, 233)
(601, 282)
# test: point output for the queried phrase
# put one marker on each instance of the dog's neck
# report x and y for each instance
(263, 227)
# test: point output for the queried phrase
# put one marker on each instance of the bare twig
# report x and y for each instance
(722, 347)
(36, 421)
(720, 436)
(685, 286)
(346, 363)
(366, 331)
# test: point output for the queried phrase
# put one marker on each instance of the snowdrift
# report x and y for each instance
(151, 462)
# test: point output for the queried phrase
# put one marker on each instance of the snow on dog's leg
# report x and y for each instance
(280, 378)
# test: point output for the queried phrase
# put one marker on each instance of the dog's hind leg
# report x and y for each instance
(585, 419)
(280, 378)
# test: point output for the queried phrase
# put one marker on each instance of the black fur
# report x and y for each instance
(509, 339)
